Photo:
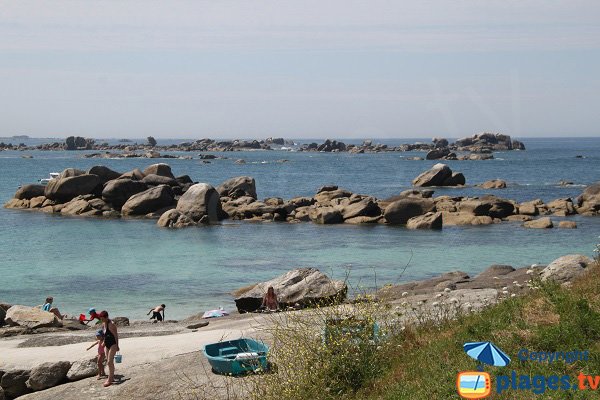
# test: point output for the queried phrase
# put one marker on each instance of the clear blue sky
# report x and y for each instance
(336, 68)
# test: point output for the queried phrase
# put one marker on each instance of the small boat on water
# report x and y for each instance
(52, 175)
(236, 357)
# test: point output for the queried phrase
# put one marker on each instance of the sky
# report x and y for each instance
(299, 69)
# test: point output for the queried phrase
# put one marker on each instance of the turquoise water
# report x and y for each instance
(126, 266)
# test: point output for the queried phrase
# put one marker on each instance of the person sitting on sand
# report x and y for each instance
(100, 359)
(93, 316)
(269, 302)
(48, 307)
(111, 345)
(156, 313)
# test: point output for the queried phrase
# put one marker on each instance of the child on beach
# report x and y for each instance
(93, 316)
(100, 342)
(156, 313)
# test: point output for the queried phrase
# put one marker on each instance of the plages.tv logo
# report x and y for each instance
(478, 384)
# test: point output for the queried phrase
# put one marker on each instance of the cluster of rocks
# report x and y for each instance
(18, 382)
(480, 146)
(180, 202)
(453, 291)
(80, 143)
(25, 320)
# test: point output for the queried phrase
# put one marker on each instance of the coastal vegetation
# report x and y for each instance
(420, 357)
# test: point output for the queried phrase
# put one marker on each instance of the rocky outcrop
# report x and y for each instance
(540, 223)
(400, 211)
(118, 191)
(27, 192)
(200, 200)
(149, 201)
(428, 221)
(238, 187)
(64, 189)
(47, 375)
(487, 141)
(566, 268)
(30, 317)
(13, 383)
(300, 287)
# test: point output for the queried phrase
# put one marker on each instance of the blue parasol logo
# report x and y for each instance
(487, 353)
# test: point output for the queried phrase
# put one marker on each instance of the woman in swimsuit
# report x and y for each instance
(111, 345)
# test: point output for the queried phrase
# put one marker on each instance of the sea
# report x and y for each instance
(127, 266)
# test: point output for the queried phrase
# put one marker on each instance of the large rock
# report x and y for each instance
(456, 179)
(159, 169)
(433, 177)
(238, 187)
(364, 208)
(47, 375)
(106, 174)
(148, 201)
(437, 153)
(27, 192)
(589, 201)
(64, 189)
(326, 215)
(31, 317)
(304, 286)
(488, 205)
(465, 218)
(155, 180)
(428, 221)
(70, 172)
(135, 175)
(83, 368)
(540, 223)
(327, 196)
(566, 268)
(200, 200)
(400, 211)
(13, 383)
(118, 191)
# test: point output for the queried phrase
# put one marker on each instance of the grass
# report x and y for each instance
(427, 359)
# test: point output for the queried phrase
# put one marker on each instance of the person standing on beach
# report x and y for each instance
(111, 345)
(48, 307)
(156, 313)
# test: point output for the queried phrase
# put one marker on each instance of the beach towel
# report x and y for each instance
(215, 313)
